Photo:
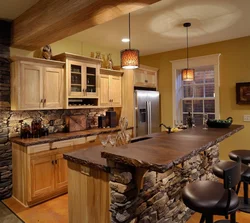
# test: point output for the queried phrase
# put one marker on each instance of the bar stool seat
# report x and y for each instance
(244, 155)
(213, 198)
(209, 198)
(225, 164)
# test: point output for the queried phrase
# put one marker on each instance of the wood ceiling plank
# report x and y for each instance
(51, 20)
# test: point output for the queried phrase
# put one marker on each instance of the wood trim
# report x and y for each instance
(34, 28)
(38, 60)
(72, 56)
(111, 72)
(38, 148)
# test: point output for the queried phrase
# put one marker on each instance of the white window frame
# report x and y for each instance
(208, 60)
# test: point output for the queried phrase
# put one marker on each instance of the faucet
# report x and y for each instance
(166, 127)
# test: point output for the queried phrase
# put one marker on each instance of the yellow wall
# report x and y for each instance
(71, 46)
(234, 67)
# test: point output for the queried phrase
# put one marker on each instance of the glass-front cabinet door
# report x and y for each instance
(76, 76)
(91, 80)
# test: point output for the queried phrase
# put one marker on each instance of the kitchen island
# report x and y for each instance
(141, 181)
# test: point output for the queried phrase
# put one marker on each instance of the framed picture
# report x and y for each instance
(243, 93)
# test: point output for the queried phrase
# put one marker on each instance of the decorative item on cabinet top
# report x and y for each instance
(47, 52)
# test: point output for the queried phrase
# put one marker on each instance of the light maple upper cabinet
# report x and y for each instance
(110, 88)
(82, 80)
(145, 76)
(36, 84)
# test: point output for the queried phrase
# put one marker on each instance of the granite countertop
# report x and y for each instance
(62, 136)
(158, 153)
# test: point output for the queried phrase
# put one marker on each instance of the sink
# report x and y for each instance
(138, 139)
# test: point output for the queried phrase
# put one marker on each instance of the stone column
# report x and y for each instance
(5, 148)
(158, 200)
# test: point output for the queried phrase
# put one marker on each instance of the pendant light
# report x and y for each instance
(129, 57)
(187, 74)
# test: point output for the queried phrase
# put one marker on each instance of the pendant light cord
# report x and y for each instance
(187, 50)
(129, 30)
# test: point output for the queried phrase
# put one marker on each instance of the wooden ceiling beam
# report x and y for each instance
(51, 20)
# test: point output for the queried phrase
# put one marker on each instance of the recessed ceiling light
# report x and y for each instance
(125, 40)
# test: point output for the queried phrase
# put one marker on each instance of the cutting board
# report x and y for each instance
(76, 122)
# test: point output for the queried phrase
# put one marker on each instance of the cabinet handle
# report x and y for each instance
(146, 81)
(44, 101)
(52, 162)
(83, 90)
(41, 100)
(56, 161)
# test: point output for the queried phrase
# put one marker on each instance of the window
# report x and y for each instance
(199, 96)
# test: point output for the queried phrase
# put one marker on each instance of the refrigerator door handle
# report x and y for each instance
(149, 118)
(148, 115)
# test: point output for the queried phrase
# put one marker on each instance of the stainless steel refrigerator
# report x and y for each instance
(147, 112)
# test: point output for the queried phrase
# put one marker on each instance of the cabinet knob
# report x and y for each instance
(41, 100)
(146, 81)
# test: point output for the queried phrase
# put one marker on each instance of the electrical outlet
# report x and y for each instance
(246, 118)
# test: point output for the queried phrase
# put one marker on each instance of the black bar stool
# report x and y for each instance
(244, 155)
(212, 198)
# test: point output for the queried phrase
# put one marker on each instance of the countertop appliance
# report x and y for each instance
(147, 112)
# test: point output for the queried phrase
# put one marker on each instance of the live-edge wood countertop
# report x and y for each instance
(54, 137)
(159, 153)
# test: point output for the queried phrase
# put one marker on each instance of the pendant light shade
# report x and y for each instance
(130, 57)
(187, 74)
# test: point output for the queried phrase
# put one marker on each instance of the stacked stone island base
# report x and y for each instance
(159, 198)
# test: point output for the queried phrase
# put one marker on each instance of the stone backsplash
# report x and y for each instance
(159, 200)
(58, 116)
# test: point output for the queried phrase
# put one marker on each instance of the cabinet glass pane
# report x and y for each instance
(76, 78)
(91, 79)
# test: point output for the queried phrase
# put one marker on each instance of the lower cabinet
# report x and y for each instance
(48, 174)
(42, 175)
(40, 172)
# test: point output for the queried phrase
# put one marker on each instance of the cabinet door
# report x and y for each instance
(61, 173)
(150, 79)
(139, 77)
(91, 72)
(76, 78)
(104, 90)
(115, 90)
(42, 173)
(31, 87)
(53, 88)
(61, 168)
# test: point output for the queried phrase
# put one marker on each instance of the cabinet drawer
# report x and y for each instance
(38, 148)
(63, 143)
(91, 138)
(79, 141)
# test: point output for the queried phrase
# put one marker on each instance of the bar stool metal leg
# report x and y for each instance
(203, 218)
(238, 188)
(209, 219)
